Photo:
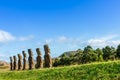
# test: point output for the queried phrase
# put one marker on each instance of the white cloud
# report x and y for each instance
(100, 42)
(4, 57)
(48, 41)
(62, 39)
(6, 36)
(39, 43)
(103, 41)
(109, 37)
(69, 40)
(26, 38)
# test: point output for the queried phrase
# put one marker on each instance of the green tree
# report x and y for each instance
(56, 62)
(118, 51)
(78, 56)
(113, 53)
(106, 52)
(65, 60)
(88, 55)
(99, 53)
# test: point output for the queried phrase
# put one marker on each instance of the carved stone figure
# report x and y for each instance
(11, 63)
(24, 60)
(30, 59)
(19, 62)
(47, 57)
(14, 63)
(39, 63)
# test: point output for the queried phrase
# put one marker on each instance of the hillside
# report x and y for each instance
(4, 65)
(68, 53)
(94, 71)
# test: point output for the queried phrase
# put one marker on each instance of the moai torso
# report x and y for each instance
(24, 60)
(39, 63)
(19, 62)
(30, 59)
(14, 63)
(47, 57)
(11, 63)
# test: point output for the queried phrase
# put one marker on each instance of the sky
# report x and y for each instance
(64, 25)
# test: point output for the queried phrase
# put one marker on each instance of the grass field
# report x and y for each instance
(93, 71)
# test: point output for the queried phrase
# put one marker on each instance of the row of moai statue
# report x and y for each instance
(22, 63)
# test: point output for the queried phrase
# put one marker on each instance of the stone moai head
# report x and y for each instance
(11, 64)
(30, 52)
(24, 54)
(11, 59)
(46, 49)
(14, 57)
(19, 56)
(38, 52)
(47, 57)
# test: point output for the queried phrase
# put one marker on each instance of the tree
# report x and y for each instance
(113, 53)
(99, 53)
(65, 60)
(56, 62)
(118, 51)
(78, 56)
(106, 53)
(88, 55)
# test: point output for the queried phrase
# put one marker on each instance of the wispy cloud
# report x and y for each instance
(4, 57)
(62, 39)
(103, 41)
(26, 38)
(65, 39)
(48, 41)
(95, 42)
(6, 37)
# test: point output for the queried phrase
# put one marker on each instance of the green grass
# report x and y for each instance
(94, 71)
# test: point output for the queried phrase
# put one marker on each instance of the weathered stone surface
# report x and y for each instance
(19, 62)
(30, 59)
(14, 63)
(11, 63)
(24, 60)
(39, 63)
(47, 57)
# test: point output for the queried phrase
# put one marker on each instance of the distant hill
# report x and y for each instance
(3, 63)
(68, 53)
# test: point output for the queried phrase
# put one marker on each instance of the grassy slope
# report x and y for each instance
(93, 71)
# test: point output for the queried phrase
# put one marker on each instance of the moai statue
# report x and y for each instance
(11, 63)
(39, 63)
(14, 62)
(19, 62)
(47, 57)
(30, 59)
(24, 60)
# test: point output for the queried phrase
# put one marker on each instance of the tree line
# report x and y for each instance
(88, 55)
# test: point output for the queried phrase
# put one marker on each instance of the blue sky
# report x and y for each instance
(63, 24)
